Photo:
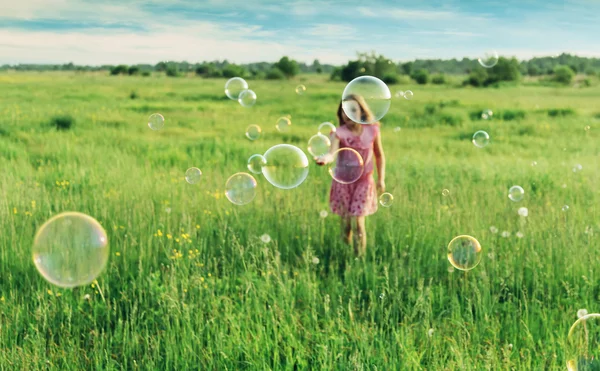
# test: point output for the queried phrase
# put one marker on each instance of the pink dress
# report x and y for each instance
(358, 198)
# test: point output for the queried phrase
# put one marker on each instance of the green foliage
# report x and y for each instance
(275, 74)
(62, 122)
(512, 114)
(504, 70)
(477, 78)
(391, 79)
(563, 75)
(590, 72)
(421, 76)
(367, 64)
(438, 79)
(133, 95)
(119, 70)
(233, 70)
(560, 112)
(172, 71)
(146, 73)
(288, 66)
(133, 70)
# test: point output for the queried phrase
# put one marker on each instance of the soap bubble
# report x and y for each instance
(156, 121)
(445, 192)
(487, 114)
(256, 163)
(265, 238)
(583, 344)
(386, 199)
(193, 175)
(347, 166)
(234, 86)
(287, 166)
(240, 188)
(397, 129)
(488, 59)
(399, 94)
(577, 168)
(516, 193)
(283, 125)
(408, 95)
(318, 145)
(565, 208)
(326, 128)
(464, 252)
(587, 128)
(366, 99)
(247, 98)
(300, 89)
(534, 163)
(71, 249)
(481, 139)
(253, 132)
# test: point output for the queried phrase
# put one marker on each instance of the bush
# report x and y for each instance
(510, 115)
(504, 70)
(590, 72)
(439, 79)
(563, 74)
(336, 74)
(172, 71)
(476, 78)
(391, 78)
(450, 120)
(421, 76)
(288, 66)
(233, 70)
(133, 70)
(146, 73)
(430, 109)
(119, 70)
(556, 112)
(133, 95)
(275, 74)
(64, 122)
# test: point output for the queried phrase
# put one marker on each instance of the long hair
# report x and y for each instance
(365, 112)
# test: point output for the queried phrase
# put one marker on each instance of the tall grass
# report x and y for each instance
(190, 285)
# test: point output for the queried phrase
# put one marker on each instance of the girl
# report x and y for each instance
(354, 201)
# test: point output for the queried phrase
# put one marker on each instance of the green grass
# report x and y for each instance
(224, 300)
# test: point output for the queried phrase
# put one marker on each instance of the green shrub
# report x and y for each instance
(288, 66)
(590, 72)
(146, 73)
(172, 71)
(391, 78)
(275, 74)
(586, 82)
(451, 120)
(476, 78)
(430, 109)
(563, 74)
(133, 95)
(119, 70)
(439, 79)
(421, 76)
(510, 115)
(63, 122)
(133, 70)
(560, 112)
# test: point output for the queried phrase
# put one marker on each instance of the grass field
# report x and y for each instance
(190, 285)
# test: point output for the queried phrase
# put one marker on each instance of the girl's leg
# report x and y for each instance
(347, 229)
(361, 235)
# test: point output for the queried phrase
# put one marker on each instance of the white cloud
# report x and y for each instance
(449, 33)
(406, 14)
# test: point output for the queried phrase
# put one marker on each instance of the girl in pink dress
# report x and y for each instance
(354, 201)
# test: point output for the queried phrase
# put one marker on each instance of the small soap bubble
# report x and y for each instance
(534, 163)
(287, 166)
(516, 193)
(481, 139)
(247, 98)
(193, 175)
(156, 121)
(256, 163)
(445, 192)
(386, 199)
(408, 95)
(318, 145)
(565, 208)
(397, 129)
(326, 128)
(240, 188)
(587, 128)
(300, 89)
(253, 132)
(283, 124)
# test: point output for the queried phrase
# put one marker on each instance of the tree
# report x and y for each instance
(275, 74)
(421, 76)
(133, 70)
(407, 68)
(439, 79)
(563, 74)
(504, 70)
(119, 70)
(288, 66)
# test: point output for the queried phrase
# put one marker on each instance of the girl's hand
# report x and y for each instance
(380, 186)
(323, 160)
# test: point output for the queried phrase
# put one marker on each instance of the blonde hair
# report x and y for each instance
(365, 112)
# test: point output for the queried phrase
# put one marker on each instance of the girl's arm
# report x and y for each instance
(328, 158)
(380, 162)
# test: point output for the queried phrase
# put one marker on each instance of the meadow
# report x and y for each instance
(190, 284)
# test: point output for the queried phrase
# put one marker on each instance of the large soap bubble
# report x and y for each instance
(286, 167)
(71, 249)
(583, 344)
(366, 99)
(347, 166)
(234, 86)
(464, 252)
(240, 188)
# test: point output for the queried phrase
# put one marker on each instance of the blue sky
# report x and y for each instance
(109, 32)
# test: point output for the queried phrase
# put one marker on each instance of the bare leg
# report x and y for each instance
(347, 229)
(361, 236)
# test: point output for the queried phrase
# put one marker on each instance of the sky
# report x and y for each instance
(97, 32)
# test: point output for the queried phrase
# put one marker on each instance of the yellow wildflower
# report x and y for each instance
(2, 299)
(50, 292)
(118, 253)
(33, 204)
(169, 236)
(15, 210)
(197, 226)
(58, 294)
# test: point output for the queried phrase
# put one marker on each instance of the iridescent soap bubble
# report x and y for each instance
(253, 132)
(386, 199)
(565, 208)
(347, 166)
(488, 59)
(283, 124)
(487, 114)
(71, 249)
(445, 192)
(234, 86)
(326, 128)
(481, 139)
(408, 95)
(318, 145)
(464, 252)
(247, 98)
(516, 193)
(156, 121)
(287, 166)
(300, 89)
(193, 175)
(256, 163)
(587, 128)
(366, 99)
(240, 188)
(582, 350)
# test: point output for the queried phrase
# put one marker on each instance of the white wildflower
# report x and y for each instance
(581, 313)
(519, 234)
(265, 238)
(323, 214)
(493, 229)
(523, 211)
